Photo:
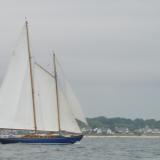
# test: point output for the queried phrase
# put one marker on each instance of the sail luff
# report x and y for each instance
(57, 98)
(31, 76)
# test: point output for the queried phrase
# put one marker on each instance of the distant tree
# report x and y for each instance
(103, 122)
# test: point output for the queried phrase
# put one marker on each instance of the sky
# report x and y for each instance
(109, 50)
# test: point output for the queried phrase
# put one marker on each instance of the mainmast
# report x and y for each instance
(31, 75)
(58, 111)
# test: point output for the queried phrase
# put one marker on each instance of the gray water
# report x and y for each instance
(88, 149)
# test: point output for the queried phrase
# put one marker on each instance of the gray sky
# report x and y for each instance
(109, 49)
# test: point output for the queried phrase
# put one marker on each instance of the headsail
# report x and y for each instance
(69, 95)
(67, 119)
(68, 104)
(15, 94)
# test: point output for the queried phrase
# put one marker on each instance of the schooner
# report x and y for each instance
(37, 101)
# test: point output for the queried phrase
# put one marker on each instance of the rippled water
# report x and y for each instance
(88, 149)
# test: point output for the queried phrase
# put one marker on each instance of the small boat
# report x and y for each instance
(39, 106)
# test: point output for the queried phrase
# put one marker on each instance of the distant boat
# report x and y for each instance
(37, 103)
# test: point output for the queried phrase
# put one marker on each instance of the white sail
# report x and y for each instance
(46, 104)
(16, 110)
(45, 100)
(68, 104)
(16, 103)
(70, 96)
(74, 104)
(67, 119)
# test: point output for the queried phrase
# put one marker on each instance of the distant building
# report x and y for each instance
(156, 131)
(97, 130)
(147, 130)
(109, 131)
(122, 130)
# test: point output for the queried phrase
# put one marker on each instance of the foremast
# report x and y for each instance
(57, 96)
(31, 76)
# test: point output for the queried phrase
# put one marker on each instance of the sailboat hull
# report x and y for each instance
(55, 140)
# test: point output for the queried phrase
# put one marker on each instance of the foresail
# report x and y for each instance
(68, 104)
(70, 96)
(67, 119)
(74, 104)
(45, 100)
(16, 110)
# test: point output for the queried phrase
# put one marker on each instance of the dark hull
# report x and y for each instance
(55, 140)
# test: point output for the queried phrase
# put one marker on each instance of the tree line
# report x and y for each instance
(112, 123)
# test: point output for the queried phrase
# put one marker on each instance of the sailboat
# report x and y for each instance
(38, 105)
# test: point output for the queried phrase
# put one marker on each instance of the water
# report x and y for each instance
(88, 149)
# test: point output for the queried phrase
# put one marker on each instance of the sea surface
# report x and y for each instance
(107, 148)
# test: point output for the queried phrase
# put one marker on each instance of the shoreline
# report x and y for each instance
(125, 136)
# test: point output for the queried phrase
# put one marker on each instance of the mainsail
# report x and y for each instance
(15, 93)
(16, 96)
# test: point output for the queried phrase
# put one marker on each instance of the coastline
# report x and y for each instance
(124, 136)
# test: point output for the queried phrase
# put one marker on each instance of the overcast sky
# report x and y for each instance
(109, 49)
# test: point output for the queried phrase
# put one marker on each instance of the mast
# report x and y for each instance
(31, 75)
(58, 111)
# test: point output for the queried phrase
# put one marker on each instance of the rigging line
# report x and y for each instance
(44, 70)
